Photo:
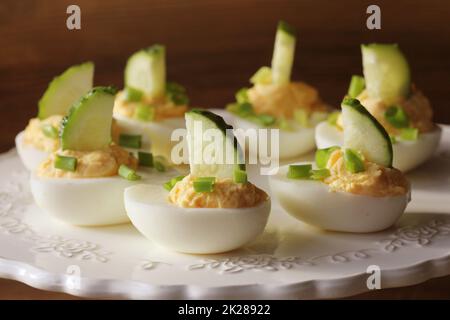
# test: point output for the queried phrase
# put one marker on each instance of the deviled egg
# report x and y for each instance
(214, 208)
(276, 102)
(40, 137)
(353, 188)
(149, 106)
(82, 183)
(388, 94)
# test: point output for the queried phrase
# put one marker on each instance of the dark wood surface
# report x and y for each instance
(213, 48)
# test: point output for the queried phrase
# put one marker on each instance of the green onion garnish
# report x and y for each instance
(353, 161)
(128, 173)
(333, 117)
(323, 155)
(240, 176)
(397, 117)
(284, 124)
(145, 159)
(50, 131)
(132, 94)
(262, 76)
(241, 95)
(204, 184)
(357, 85)
(130, 141)
(65, 163)
(320, 174)
(409, 134)
(299, 171)
(159, 163)
(266, 119)
(144, 112)
(177, 93)
(172, 182)
(301, 117)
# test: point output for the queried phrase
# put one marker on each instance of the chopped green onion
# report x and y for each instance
(397, 117)
(132, 94)
(65, 163)
(130, 141)
(172, 182)
(333, 117)
(128, 173)
(144, 112)
(240, 176)
(204, 184)
(266, 119)
(299, 171)
(159, 163)
(241, 95)
(244, 109)
(177, 94)
(320, 174)
(323, 155)
(50, 131)
(353, 161)
(302, 118)
(262, 76)
(145, 159)
(409, 134)
(357, 85)
(284, 124)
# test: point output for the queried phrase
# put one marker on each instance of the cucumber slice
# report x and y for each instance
(146, 71)
(88, 125)
(362, 132)
(222, 162)
(65, 89)
(283, 53)
(386, 72)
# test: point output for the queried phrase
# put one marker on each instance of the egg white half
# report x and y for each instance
(192, 230)
(156, 135)
(291, 143)
(408, 155)
(30, 156)
(314, 203)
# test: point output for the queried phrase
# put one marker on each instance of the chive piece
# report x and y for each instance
(333, 117)
(144, 112)
(353, 161)
(397, 117)
(172, 182)
(323, 155)
(262, 76)
(357, 85)
(49, 131)
(204, 184)
(266, 119)
(244, 109)
(128, 173)
(240, 176)
(320, 174)
(409, 134)
(241, 95)
(159, 163)
(130, 141)
(301, 117)
(284, 124)
(65, 163)
(145, 159)
(132, 94)
(299, 171)
(177, 94)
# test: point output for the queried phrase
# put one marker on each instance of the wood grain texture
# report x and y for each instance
(214, 46)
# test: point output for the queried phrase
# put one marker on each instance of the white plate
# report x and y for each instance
(290, 260)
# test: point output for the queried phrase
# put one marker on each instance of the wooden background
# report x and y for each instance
(213, 47)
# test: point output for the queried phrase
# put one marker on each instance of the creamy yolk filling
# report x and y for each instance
(90, 164)
(226, 194)
(163, 107)
(35, 137)
(281, 101)
(376, 180)
(416, 106)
